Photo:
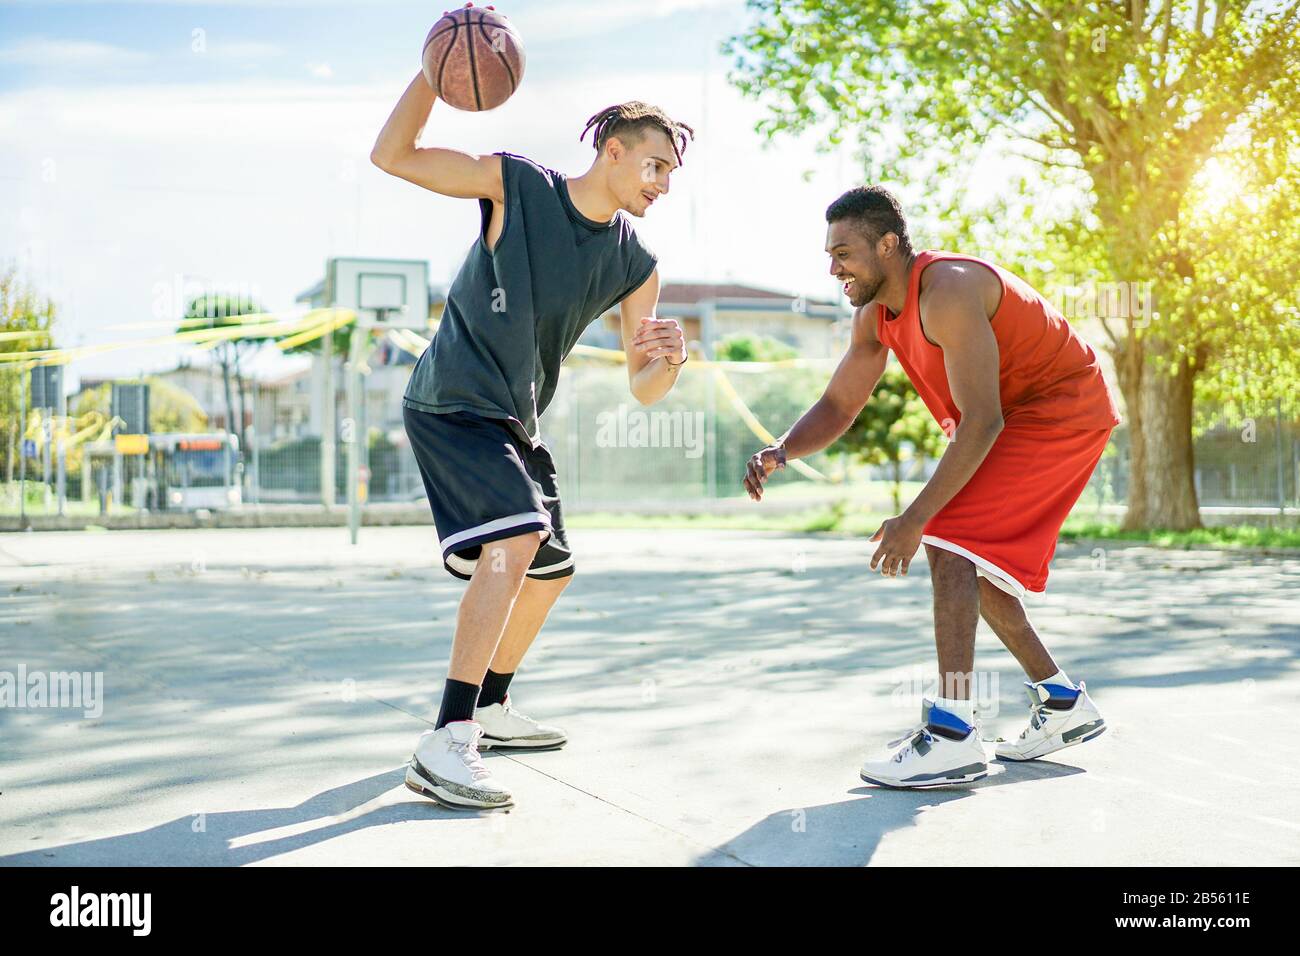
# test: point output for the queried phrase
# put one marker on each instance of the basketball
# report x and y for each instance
(473, 58)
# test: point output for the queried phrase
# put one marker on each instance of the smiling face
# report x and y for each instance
(639, 171)
(856, 261)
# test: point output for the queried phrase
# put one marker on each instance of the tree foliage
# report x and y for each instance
(22, 309)
(1168, 142)
(892, 426)
(742, 347)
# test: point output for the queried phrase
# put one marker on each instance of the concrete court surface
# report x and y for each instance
(263, 690)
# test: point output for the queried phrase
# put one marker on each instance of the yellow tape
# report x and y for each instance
(316, 332)
(618, 357)
(251, 318)
(755, 426)
(405, 343)
(24, 334)
(262, 330)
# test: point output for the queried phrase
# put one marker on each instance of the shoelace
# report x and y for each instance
(911, 738)
(1037, 718)
(510, 709)
(469, 755)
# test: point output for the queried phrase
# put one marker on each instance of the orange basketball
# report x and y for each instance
(473, 58)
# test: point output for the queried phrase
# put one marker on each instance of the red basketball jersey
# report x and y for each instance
(1048, 375)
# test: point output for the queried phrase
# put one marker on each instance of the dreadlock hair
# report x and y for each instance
(630, 120)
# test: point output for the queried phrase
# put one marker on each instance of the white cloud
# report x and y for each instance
(263, 183)
(80, 54)
(321, 71)
(244, 50)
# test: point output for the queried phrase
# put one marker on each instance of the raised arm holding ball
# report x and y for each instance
(553, 253)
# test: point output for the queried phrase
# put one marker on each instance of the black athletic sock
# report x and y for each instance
(495, 688)
(458, 699)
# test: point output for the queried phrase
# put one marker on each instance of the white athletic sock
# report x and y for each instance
(964, 709)
(1057, 678)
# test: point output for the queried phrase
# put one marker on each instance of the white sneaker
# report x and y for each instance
(943, 750)
(447, 767)
(1059, 717)
(503, 727)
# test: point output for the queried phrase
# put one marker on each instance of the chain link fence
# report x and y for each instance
(686, 453)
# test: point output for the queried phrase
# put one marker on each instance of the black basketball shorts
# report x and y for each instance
(484, 484)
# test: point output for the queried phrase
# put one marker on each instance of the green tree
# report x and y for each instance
(171, 408)
(216, 310)
(893, 423)
(742, 347)
(31, 318)
(1172, 127)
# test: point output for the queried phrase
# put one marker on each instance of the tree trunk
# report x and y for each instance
(1162, 490)
(241, 388)
(225, 375)
(898, 486)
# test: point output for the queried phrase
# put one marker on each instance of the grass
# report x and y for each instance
(1227, 537)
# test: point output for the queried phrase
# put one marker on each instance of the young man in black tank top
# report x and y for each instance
(553, 254)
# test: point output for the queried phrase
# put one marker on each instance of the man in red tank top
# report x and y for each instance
(1027, 412)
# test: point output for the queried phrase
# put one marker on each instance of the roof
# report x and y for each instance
(688, 293)
(311, 293)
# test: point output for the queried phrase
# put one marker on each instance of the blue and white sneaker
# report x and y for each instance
(943, 750)
(1059, 717)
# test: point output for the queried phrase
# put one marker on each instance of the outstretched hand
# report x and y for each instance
(899, 539)
(760, 466)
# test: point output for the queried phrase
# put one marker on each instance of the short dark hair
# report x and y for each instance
(876, 210)
(630, 120)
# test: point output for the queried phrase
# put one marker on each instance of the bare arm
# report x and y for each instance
(446, 171)
(655, 348)
(831, 415)
(956, 319)
(957, 322)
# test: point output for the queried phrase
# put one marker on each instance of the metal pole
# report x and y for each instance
(327, 423)
(22, 452)
(116, 496)
(1281, 471)
(63, 452)
(139, 490)
(353, 374)
(257, 472)
(47, 434)
(708, 313)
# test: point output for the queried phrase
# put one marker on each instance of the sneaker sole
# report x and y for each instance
(954, 778)
(1090, 730)
(521, 743)
(428, 786)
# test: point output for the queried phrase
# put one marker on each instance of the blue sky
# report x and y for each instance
(149, 42)
(130, 161)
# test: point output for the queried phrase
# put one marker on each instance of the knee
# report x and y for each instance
(551, 586)
(997, 605)
(949, 567)
(512, 555)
